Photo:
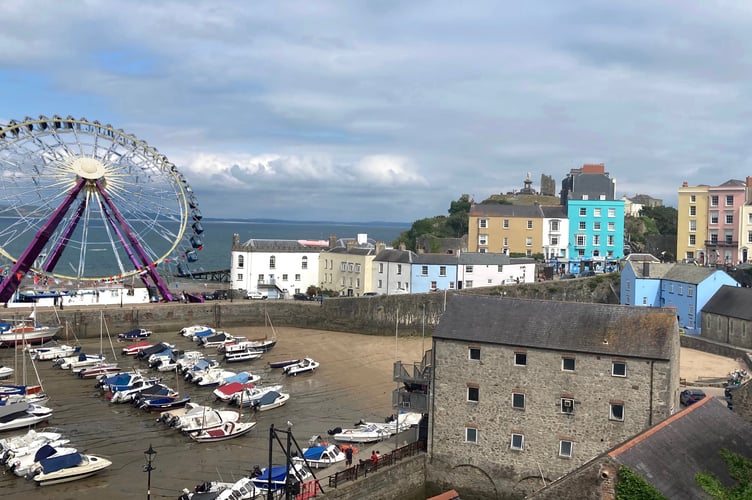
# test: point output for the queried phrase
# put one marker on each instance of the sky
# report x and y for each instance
(389, 110)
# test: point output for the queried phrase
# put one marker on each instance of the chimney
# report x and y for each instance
(686, 184)
(380, 247)
(350, 244)
(402, 246)
(646, 269)
(332, 240)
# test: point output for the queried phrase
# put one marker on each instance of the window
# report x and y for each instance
(520, 359)
(714, 217)
(297, 277)
(442, 270)
(471, 435)
(583, 211)
(350, 267)
(692, 211)
(681, 289)
(473, 394)
(357, 268)
(628, 285)
(714, 200)
(529, 224)
(399, 269)
(529, 241)
(518, 442)
(567, 406)
(612, 226)
(617, 411)
(583, 226)
(506, 241)
(468, 284)
(474, 353)
(690, 291)
(554, 240)
(729, 200)
(565, 449)
(580, 240)
(424, 270)
(692, 240)
(380, 284)
(505, 224)
(596, 226)
(483, 239)
(612, 212)
(729, 237)
(554, 225)
(304, 263)
(518, 400)
(284, 277)
(469, 269)
(482, 223)
(610, 240)
(272, 262)
(618, 369)
(343, 266)
(596, 212)
(567, 364)
(381, 267)
(692, 198)
(240, 277)
(241, 261)
(260, 278)
(596, 239)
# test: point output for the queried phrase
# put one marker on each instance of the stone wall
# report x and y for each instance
(707, 345)
(404, 480)
(648, 393)
(379, 315)
(734, 331)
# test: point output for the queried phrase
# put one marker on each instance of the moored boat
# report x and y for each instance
(14, 332)
(270, 400)
(228, 430)
(225, 391)
(134, 334)
(275, 479)
(68, 468)
(303, 366)
(364, 433)
(282, 364)
(320, 455)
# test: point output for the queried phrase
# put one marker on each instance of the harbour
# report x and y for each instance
(354, 382)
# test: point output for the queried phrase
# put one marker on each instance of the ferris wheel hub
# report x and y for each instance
(88, 168)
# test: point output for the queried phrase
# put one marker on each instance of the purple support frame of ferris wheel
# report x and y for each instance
(127, 248)
(60, 247)
(24, 263)
(163, 289)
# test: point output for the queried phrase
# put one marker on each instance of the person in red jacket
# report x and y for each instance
(374, 458)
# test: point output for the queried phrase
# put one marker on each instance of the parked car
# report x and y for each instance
(221, 295)
(587, 274)
(302, 296)
(370, 294)
(568, 276)
(207, 295)
(256, 296)
(691, 396)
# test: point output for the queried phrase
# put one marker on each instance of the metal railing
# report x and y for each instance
(365, 467)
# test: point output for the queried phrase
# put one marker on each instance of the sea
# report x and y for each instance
(218, 235)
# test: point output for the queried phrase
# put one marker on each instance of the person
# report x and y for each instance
(256, 471)
(374, 458)
(348, 456)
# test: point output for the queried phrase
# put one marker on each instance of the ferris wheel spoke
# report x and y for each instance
(61, 242)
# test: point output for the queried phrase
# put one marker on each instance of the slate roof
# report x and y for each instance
(352, 250)
(565, 326)
(554, 211)
(436, 259)
(291, 246)
(733, 183)
(642, 257)
(399, 256)
(669, 454)
(656, 270)
(731, 301)
(499, 210)
(481, 259)
(690, 273)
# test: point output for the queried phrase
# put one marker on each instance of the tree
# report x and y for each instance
(664, 218)
(739, 467)
(440, 226)
(632, 486)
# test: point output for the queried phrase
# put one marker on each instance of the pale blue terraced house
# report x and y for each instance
(685, 287)
(433, 272)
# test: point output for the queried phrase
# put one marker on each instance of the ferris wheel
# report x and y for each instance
(84, 202)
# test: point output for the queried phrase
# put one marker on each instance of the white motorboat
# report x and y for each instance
(244, 354)
(127, 395)
(320, 454)
(23, 464)
(245, 397)
(213, 376)
(79, 361)
(276, 478)
(241, 489)
(23, 414)
(209, 418)
(270, 400)
(191, 331)
(5, 372)
(15, 332)
(67, 468)
(53, 350)
(302, 366)
(28, 443)
(404, 421)
(228, 430)
(225, 391)
(217, 340)
(171, 417)
(364, 433)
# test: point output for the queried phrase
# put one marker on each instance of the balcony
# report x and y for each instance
(721, 244)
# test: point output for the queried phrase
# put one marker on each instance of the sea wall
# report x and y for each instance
(406, 315)
(404, 480)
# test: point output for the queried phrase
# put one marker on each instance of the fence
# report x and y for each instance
(364, 467)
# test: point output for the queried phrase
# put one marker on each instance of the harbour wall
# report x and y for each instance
(404, 480)
(404, 315)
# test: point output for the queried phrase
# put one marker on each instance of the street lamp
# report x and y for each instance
(148, 467)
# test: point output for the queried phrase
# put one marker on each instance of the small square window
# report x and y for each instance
(518, 401)
(618, 369)
(567, 364)
(473, 394)
(520, 359)
(518, 442)
(567, 406)
(471, 435)
(474, 353)
(565, 449)
(617, 412)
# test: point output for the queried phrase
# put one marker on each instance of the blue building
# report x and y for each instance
(433, 271)
(685, 287)
(596, 234)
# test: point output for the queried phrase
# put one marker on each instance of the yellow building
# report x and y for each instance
(508, 229)
(692, 223)
(347, 267)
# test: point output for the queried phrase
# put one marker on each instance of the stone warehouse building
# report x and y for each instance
(525, 391)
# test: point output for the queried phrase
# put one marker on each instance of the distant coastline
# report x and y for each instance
(220, 220)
